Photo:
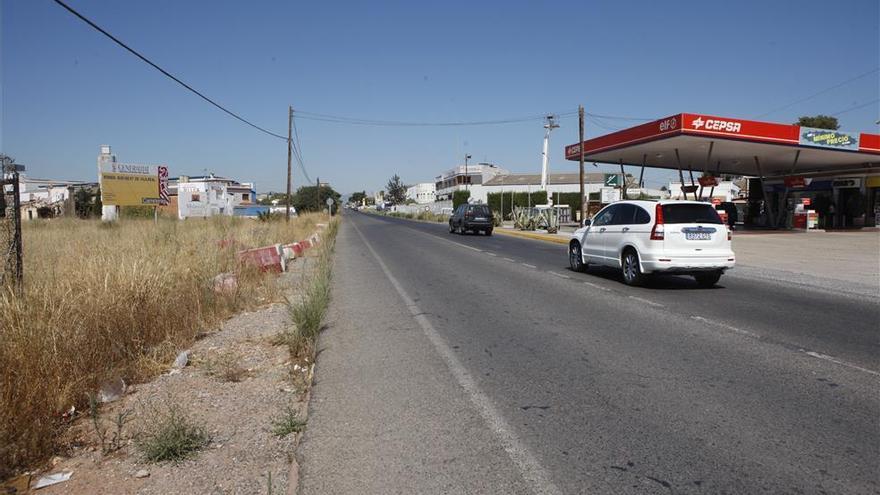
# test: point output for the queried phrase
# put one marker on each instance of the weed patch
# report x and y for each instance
(171, 435)
(287, 423)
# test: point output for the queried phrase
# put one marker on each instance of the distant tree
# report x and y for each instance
(396, 190)
(87, 202)
(309, 198)
(819, 122)
(663, 188)
(357, 197)
(461, 197)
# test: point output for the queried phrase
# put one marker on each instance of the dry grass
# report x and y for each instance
(103, 301)
(307, 313)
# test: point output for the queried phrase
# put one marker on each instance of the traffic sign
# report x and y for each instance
(612, 180)
(329, 201)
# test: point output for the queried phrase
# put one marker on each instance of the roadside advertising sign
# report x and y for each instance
(128, 184)
(824, 138)
(708, 181)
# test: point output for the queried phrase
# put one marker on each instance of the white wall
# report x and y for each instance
(203, 199)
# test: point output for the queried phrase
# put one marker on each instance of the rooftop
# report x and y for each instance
(526, 179)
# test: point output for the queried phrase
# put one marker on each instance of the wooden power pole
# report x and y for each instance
(289, 153)
(581, 146)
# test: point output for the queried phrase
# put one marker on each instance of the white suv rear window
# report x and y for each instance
(690, 213)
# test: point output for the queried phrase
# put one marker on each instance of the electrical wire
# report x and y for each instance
(165, 72)
(872, 71)
(615, 117)
(863, 105)
(399, 123)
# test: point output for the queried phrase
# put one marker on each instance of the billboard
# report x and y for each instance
(128, 184)
(824, 138)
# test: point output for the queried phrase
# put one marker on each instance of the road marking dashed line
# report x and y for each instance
(510, 260)
(726, 326)
(837, 361)
(596, 286)
(530, 266)
(491, 254)
(647, 301)
(560, 275)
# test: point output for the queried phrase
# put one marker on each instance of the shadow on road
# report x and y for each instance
(659, 282)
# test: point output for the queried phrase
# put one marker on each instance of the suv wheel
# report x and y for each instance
(632, 271)
(451, 228)
(576, 258)
(488, 231)
(708, 279)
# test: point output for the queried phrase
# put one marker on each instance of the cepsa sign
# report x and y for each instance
(738, 128)
(125, 184)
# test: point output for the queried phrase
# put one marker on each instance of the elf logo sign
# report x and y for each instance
(716, 125)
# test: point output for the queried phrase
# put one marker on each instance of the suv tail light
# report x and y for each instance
(729, 234)
(657, 233)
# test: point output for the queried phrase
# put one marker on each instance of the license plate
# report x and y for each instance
(698, 236)
(480, 219)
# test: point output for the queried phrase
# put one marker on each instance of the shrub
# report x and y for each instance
(460, 197)
(172, 436)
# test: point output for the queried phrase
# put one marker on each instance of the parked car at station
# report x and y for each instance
(473, 218)
(646, 237)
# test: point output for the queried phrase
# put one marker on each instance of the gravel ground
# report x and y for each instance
(243, 452)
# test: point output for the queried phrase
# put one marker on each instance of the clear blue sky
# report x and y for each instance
(67, 89)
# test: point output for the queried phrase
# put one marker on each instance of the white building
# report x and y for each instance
(725, 191)
(470, 177)
(422, 193)
(206, 196)
(556, 183)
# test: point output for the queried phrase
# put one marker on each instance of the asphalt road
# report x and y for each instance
(472, 364)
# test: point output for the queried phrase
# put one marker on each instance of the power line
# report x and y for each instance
(863, 105)
(615, 117)
(165, 72)
(297, 148)
(872, 71)
(399, 123)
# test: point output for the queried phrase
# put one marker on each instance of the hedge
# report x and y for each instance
(460, 197)
(538, 198)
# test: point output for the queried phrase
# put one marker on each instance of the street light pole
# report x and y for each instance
(466, 176)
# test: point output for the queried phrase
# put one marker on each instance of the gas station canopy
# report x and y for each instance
(732, 146)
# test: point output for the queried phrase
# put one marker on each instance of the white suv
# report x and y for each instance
(643, 237)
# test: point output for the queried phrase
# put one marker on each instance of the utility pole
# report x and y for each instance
(467, 178)
(318, 193)
(581, 161)
(13, 262)
(289, 154)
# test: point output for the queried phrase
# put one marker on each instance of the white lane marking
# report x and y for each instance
(560, 275)
(726, 326)
(531, 470)
(837, 361)
(510, 260)
(530, 266)
(453, 242)
(596, 286)
(491, 254)
(647, 301)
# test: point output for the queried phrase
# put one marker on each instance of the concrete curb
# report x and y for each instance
(555, 238)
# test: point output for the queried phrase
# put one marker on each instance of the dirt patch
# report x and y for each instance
(237, 385)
